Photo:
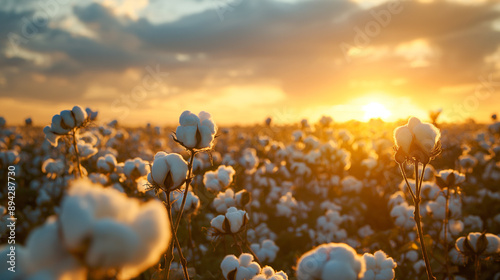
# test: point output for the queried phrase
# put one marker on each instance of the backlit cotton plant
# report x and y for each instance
(417, 143)
(67, 124)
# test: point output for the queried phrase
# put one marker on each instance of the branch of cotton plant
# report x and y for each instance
(188, 182)
(177, 244)
(418, 184)
(446, 218)
(249, 248)
(406, 180)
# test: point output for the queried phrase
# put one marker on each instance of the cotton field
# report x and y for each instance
(318, 199)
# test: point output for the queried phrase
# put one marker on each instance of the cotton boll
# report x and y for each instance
(249, 159)
(426, 136)
(192, 201)
(53, 168)
(219, 179)
(266, 251)
(168, 170)
(80, 115)
(228, 264)
(51, 136)
(107, 164)
(492, 244)
(112, 230)
(196, 131)
(245, 267)
(403, 138)
(403, 215)
(269, 274)
(113, 244)
(152, 226)
(330, 259)
(237, 218)
(379, 266)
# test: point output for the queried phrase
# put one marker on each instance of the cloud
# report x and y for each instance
(293, 46)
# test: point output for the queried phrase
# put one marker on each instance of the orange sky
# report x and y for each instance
(147, 61)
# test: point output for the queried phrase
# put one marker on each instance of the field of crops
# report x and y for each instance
(82, 199)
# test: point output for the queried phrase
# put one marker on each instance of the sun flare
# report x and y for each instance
(375, 110)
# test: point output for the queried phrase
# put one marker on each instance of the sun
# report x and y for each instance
(375, 110)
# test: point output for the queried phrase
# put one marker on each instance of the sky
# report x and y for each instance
(141, 61)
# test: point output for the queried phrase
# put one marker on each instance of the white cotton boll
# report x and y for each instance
(269, 274)
(413, 122)
(218, 222)
(473, 222)
(379, 266)
(225, 175)
(76, 220)
(365, 231)
(107, 164)
(350, 183)
(228, 264)
(224, 200)
(85, 151)
(245, 267)
(192, 201)
(426, 136)
(135, 168)
(396, 199)
(169, 170)
(152, 226)
(79, 114)
(403, 138)
(44, 248)
(403, 215)
(237, 218)
(196, 131)
(51, 136)
(326, 260)
(266, 252)
(53, 167)
(493, 243)
(68, 119)
(113, 244)
(115, 230)
(458, 177)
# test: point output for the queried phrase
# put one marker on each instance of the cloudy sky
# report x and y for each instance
(243, 60)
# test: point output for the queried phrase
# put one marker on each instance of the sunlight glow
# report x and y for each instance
(375, 110)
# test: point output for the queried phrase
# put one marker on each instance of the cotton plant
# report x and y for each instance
(67, 124)
(337, 259)
(195, 133)
(417, 143)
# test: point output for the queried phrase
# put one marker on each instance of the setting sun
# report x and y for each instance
(375, 110)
